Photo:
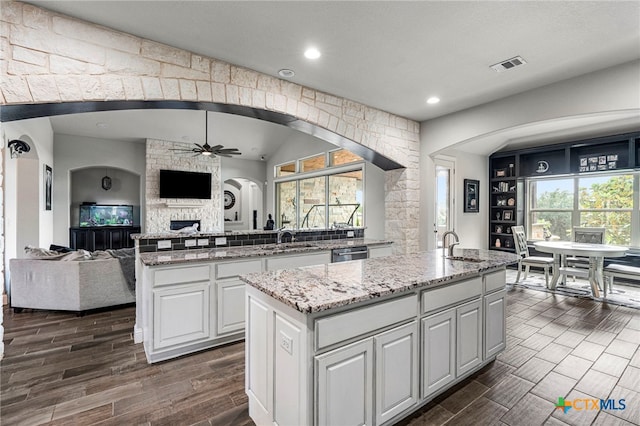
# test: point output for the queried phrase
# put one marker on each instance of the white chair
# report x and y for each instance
(580, 265)
(522, 250)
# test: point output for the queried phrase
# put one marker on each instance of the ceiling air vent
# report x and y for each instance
(508, 64)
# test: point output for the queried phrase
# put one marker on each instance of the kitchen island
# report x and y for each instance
(370, 341)
(191, 300)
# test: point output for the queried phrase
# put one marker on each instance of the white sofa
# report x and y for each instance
(68, 285)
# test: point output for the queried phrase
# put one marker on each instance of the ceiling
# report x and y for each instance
(391, 55)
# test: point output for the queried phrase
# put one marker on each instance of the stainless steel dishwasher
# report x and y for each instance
(349, 253)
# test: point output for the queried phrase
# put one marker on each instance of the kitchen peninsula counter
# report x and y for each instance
(239, 252)
(370, 341)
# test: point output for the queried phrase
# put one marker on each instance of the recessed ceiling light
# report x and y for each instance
(312, 53)
(433, 100)
(286, 73)
(102, 125)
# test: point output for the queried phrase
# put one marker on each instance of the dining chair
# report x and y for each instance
(583, 234)
(526, 260)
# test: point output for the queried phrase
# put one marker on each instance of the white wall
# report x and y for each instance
(611, 90)
(86, 186)
(608, 92)
(76, 153)
(25, 219)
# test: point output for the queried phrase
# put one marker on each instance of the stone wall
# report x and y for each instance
(158, 212)
(49, 57)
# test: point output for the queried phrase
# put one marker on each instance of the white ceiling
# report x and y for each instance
(391, 55)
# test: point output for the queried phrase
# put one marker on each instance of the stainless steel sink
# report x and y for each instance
(465, 259)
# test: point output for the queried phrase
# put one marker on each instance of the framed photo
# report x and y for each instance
(501, 172)
(48, 181)
(507, 215)
(471, 196)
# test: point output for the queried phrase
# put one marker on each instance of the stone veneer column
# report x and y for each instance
(48, 57)
(158, 215)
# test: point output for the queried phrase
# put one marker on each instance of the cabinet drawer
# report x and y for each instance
(286, 262)
(340, 327)
(233, 269)
(495, 281)
(448, 295)
(180, 275)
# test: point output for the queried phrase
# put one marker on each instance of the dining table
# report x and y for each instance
(595, 252)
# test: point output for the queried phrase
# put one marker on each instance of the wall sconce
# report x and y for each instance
(18, 147)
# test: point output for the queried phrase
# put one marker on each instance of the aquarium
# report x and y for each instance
(106, 215)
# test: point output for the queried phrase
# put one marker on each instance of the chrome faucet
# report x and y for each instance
(282, 232)
(452, 245)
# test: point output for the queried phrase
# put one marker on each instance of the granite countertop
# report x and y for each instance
(317, 288)
(225, 253)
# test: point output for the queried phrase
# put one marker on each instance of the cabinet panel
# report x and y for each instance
(396, 371)
(469, 337)
(339, 327)
(345, 385)
(448, 295)
(495, 337)
(230, 306)
(438, 351)
(181, 314)
(298, 261)
(231, 269)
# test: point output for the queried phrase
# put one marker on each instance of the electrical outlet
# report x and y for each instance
(220, 241)
(164, 244)
(350, 234)
(286, 343)
(203, 241)
(190, 243)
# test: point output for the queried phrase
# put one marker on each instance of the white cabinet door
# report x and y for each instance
(344, 380)
(495, 337)
(438, 351)
(181, 314)
(230, 305)
(468, 337)
(396, 371)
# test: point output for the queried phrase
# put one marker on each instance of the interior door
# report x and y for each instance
(444, 198)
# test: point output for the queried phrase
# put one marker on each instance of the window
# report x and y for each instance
(550, 208)
(286, 169)
(610, 201)
(319, 196)
(345, 198)
(342, 156)
(312, 163)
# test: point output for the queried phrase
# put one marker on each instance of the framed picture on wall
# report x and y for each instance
(48, 181)
(471, 196)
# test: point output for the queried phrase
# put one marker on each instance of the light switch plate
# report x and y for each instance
(350, 234)
(220, 241)
(190, 243)
(164, 244)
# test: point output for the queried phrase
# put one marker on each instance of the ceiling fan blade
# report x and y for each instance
(200, 146)
(216, 148)
(180, 149)
(233, 151)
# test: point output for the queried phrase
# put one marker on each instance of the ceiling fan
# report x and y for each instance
(206, 149)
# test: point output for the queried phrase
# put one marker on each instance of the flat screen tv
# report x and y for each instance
(181, 184)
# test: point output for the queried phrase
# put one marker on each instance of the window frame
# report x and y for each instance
(576, 211)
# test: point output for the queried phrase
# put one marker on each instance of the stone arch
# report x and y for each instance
(80, 63)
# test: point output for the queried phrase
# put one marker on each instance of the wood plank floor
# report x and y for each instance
(61, 369)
